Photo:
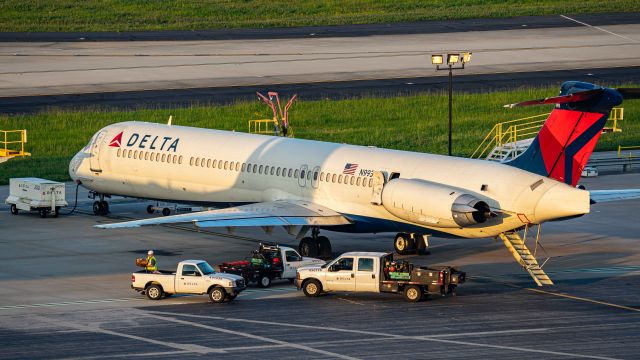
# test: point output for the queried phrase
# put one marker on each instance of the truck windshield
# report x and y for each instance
(205, 268)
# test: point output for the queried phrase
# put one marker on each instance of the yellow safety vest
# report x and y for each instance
(152, 264)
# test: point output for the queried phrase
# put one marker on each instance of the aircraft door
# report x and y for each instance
(302, 178)
(379, 179)
(94, 159)
(315, 177)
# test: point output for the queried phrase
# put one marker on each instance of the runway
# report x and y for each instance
(37, 70)
(64, 293)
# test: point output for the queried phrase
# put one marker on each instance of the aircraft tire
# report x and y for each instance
(308, 247)
(401, 244)
(105, 207)
(150, 209)
(14, 209)
(97, 208)
(324, 247)
(166, 212)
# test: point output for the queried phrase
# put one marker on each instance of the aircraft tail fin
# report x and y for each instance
(570, 133)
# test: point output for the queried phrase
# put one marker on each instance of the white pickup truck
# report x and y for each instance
(191, 277)
(377, 272)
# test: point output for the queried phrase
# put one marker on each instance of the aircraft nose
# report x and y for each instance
(74, 164)
(561, 201)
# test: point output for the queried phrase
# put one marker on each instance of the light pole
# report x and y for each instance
(452, 59)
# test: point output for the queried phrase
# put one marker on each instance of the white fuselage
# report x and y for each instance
(185, 164)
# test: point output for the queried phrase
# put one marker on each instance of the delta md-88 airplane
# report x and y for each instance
(305, 186)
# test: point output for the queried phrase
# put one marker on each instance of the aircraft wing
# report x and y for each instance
(599, 196)
(274, 213)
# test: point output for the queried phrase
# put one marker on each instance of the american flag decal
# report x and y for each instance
(350, 169)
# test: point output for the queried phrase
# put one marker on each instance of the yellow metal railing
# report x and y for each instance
(528, 127)
(12, 143)
(631, 154)
(266, 126)
(617, 114)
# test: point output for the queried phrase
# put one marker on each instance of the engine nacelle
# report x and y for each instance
(433, 204)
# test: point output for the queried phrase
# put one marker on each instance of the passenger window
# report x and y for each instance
(130, 154)
(273, 170)
(352, 180)
(370, 182)
(203, 163)
(215, 163)
(208, 163)
(365, 264)
(333, 178)
(190, 270)
(244, 167)
(302, 173)
(237, 166)
(135, 154)
(197, 161)
(315, 175)
(291, 255)
(146, 155)
(358, 181)
(308, 175)
(226, 165)
(290, 171)
(344, 264)
(340, 179)
(295, 174)
(119, 152)
(191, 161)
(231, 165)
(169, 159)
(322, 176)
(260, 169)
(278, 171)
(158, 157)
(254, 168)
(266, 170)
(175, 159)
(180, 160)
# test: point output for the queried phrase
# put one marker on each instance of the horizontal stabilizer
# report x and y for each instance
(563, 99)
(600, 196)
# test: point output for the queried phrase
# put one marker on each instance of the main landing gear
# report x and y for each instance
(100, 207)
(405, 244)
(315, 245)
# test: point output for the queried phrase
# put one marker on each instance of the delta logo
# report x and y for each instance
(146, 141)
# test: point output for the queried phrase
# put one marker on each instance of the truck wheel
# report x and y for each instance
(264, 281)
(150, 209)
(413, 293)
(166, 212)
(312, 288)
(14, 209)
(43, 213)
(154, 292)
(217, 294)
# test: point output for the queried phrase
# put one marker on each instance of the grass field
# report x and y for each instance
(417, 123)
(135, 15)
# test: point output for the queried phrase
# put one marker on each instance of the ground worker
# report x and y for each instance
(152, 263)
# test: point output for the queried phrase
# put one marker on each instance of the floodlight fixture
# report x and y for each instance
(437, 59)
(466, 57)
(453, 58)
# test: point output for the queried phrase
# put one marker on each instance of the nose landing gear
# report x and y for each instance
(100, 207)
(315, 245)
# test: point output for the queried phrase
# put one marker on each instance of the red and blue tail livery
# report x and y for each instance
(567, 139)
